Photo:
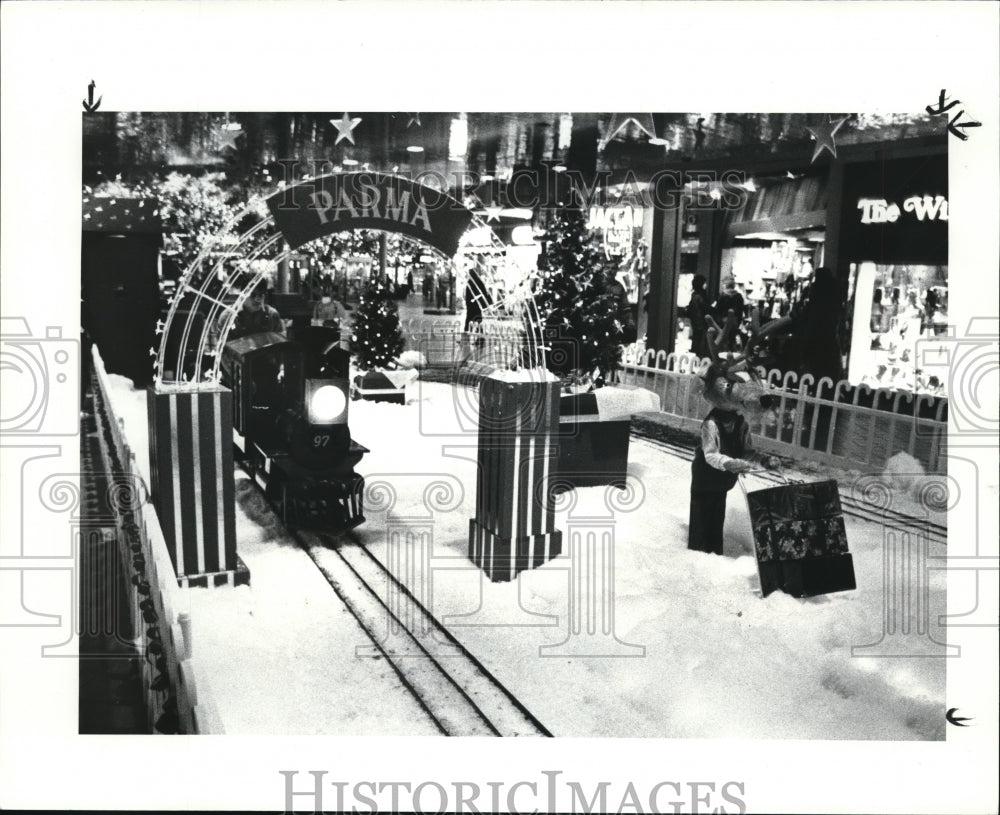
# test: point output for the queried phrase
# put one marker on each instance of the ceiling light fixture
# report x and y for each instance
(521, 213)
(414, 148)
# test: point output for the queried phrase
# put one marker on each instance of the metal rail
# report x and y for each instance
(934, 532)
(457, 692)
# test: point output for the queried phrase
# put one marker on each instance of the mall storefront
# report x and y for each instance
(894, 243)
(877, 216)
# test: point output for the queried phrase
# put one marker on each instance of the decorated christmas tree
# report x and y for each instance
(376, 338)
(578, 300)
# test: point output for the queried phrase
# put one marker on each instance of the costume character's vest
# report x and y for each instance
(704, 477)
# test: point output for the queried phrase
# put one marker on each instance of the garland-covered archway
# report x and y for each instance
(213, 289)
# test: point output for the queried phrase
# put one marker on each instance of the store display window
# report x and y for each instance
(900, 314)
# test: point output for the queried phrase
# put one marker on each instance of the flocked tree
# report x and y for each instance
(578, 299)
(195, 210)
(376, 338)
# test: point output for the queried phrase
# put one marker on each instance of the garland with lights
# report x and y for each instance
(577, 300)
(376, 337)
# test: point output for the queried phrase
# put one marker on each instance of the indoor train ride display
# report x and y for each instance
(290, 407)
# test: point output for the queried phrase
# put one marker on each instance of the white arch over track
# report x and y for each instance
(214, 287)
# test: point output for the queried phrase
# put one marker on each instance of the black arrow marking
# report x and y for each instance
(90, 105)
(956, 720)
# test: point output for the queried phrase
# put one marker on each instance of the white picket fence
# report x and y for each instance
(154, 602)
(829, 428)
(445, 344)
(829, 422)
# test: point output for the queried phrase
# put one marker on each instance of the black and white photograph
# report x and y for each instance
(615, 381)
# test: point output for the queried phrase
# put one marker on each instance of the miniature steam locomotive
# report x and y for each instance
(290, 406)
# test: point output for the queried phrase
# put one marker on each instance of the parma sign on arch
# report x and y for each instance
(334, 203)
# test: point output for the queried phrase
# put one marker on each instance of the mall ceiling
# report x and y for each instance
(487, 144)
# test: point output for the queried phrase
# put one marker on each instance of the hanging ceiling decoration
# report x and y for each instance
(229, 134)
(620, 121)
(824, 135)
(345, 128)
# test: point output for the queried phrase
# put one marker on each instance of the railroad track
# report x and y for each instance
(934, 532)
(456, 691)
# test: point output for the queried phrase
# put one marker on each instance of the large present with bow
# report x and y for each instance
(800, 539)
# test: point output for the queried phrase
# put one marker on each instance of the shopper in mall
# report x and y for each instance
(256, 315)
(697, 310)
(729, 300)
(816, 325)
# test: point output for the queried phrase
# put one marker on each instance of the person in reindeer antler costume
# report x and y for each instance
(734, 389)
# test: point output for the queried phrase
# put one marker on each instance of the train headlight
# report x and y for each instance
(326, 403)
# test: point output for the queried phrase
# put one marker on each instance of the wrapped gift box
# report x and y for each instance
(800, 539)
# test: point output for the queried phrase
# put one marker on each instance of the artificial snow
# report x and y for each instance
(683, 646)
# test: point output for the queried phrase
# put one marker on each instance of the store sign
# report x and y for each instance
(923, 207)
(343, 201)
(618, 227)
(895, 211)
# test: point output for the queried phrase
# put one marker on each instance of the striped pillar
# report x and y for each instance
(191, 474)
(514, 528)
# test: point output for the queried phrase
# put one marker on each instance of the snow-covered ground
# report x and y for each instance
(696, 651)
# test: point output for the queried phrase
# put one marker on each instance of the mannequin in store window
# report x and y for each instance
(911, 318)
(939, 317)
(877, 313)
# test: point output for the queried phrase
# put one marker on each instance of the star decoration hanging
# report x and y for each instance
(227, 138)
(414, 120)
(824, 135)
(619, 121)
(493, 213)
(345, 125)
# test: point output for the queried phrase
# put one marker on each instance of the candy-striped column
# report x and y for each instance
(514, 528)
(191, 470)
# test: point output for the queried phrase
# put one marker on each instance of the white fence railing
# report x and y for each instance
(446, 344)
(854, 427)
(177, 697)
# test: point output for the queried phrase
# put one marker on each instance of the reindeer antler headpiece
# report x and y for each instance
(729, 366)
